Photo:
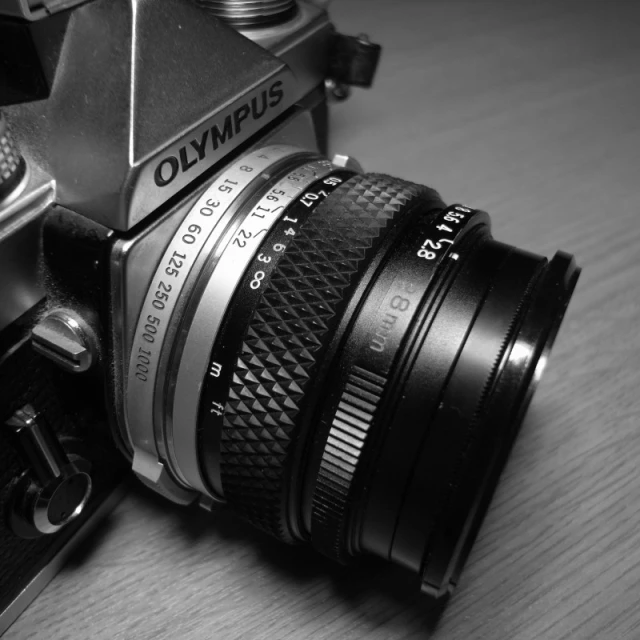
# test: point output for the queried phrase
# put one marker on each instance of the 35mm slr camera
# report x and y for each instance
(191, 289)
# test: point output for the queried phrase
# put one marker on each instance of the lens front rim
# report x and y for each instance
(516, 381)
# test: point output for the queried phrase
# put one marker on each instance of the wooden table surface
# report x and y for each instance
(530, 110)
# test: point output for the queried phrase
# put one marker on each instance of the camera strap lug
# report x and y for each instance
(353, 60)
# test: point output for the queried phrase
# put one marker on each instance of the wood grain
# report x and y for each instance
(530, 110)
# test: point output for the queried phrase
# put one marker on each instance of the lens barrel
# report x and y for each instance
(375, 363)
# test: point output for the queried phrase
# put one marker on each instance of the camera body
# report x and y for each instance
(193, 290)
(138, 107)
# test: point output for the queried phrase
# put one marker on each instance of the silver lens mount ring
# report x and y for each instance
(201, 224)
(283, 159)
(207, 319)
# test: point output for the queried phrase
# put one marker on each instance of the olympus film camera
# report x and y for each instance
(191, 289)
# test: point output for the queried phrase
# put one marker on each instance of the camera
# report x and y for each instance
(194, 291)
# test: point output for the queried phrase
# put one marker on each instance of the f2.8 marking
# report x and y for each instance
(430, 248)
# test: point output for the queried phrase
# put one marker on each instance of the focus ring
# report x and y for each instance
(287, 336)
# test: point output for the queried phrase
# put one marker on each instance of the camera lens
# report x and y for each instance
(350, 359)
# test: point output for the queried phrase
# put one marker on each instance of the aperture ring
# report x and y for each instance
(378, 333)
(287, 337)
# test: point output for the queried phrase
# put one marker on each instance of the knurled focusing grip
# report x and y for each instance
(272, 395)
